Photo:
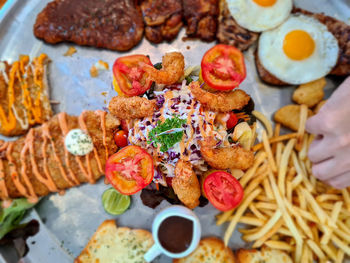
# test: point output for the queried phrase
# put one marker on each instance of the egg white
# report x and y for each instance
(256, 18)
(318, 65)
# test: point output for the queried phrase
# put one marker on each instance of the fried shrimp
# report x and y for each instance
(131, 108)
(234, 157)
(172, 70)
(220, 101)
(186, 185)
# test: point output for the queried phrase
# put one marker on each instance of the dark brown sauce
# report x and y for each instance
(175, 234)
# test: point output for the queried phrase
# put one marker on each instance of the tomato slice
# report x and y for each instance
(232, 121)
(130, 78)
(130, 170)
(121, 138)
(223, 67)
(223, 191)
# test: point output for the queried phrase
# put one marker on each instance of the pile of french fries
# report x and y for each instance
(285, 207)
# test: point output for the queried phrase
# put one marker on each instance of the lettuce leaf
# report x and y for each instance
(11, 217)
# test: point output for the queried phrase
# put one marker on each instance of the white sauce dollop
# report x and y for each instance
(78, 142)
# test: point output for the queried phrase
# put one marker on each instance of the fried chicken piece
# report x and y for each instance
(201, 18)
(310, 93)
(131, 107)
(231, 33)
(111, 24)
(39, 163)
(220, 101)
(29, 93)
(186, 185)
(289, 116)
(234, 157)
(173, 66)
(163, 19)
(319, 106)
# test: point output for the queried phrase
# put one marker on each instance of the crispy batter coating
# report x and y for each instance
(289, 116)
(68, 165)
(131, 108)
(186, 185)
(310, 93)
(220, 101)
(173, 66)
(227, 157)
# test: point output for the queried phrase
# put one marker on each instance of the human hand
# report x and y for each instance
(330, 151)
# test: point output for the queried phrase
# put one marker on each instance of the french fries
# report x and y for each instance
(285, 206)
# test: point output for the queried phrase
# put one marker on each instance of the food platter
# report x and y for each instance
(68, 221)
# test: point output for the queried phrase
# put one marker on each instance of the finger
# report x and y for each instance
(314, 125)
(340, 181)
(325, 170)
(317, 152)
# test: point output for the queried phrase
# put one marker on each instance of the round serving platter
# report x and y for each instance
(67, 222)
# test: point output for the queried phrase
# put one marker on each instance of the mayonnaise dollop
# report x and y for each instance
(78, 142)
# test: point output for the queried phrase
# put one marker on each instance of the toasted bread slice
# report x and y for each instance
(210, 250)
(24, 95)
(116, 244)
(289, 116)
(266, 255)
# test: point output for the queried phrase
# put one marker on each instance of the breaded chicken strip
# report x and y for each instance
(131, 108)
(220, 101)
(227, 157)
(39, 163)
(186, 185)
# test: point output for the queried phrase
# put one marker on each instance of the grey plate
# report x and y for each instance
(67, 222)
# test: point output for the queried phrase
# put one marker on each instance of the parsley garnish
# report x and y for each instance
(166, 140)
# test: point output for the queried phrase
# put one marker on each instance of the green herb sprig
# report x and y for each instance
(166, 140)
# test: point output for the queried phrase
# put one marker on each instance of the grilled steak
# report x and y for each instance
(111, 24)
(230, 32)
(339, 29)
(163, 19)
(201, 18)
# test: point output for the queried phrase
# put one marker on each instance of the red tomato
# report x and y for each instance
(223, 67)
(130, 170)
(124, 126)
(131, 79)
(121, 138)
(223, 191)
(232, 121)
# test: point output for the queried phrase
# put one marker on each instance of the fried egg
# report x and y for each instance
(260, 15)
(298, 51)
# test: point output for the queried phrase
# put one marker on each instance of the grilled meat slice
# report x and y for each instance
(38, 163)
(163, 19)
(231, 33)
(339, 29)
(111, 24)
(24, 95)
(201, 18)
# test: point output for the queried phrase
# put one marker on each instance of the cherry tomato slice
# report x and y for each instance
(223, 67)
(223, 191)
(130, 170)
(121, 138)
(130, 78)
(232, 121)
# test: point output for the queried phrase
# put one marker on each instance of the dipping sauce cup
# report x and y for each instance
(176, 232)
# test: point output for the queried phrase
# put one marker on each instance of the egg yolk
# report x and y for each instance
(265, 3)
(298, 45)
